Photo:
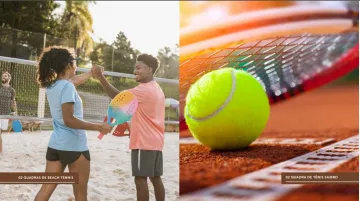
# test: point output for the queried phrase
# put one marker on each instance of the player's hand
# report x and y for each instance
(105, 128)
(97, 70)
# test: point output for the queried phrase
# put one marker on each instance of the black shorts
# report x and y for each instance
(146, 163)
(66, 157)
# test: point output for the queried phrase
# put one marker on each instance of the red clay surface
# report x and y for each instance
(323, 113)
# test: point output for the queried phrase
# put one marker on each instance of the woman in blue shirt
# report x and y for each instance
(68, 142)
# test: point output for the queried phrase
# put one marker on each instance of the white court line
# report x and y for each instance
(264, 185)
(289, 141)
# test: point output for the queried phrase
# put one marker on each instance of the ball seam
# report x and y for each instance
(217, 111)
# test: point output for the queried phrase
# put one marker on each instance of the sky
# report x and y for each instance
(148, 25)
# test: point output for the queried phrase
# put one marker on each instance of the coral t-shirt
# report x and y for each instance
(148, 122)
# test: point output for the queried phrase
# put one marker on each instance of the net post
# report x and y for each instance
(44, 41)
(41, 98)
(41, 103)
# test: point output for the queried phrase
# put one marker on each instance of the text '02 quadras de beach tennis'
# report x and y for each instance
(38, 178)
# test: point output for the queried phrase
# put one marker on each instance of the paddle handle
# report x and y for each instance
(100, 136)
(111, 122)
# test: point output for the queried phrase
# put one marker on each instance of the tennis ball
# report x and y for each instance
(226, 109)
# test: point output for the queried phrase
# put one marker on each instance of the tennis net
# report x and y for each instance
(32, 103)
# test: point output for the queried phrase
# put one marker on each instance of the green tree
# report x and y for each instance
(124, 54)
(30, 16)
(169, 63)
(102, 55)
(164, 56)
(76, 24)
(118, 57)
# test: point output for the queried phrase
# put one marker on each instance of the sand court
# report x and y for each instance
(110, 176)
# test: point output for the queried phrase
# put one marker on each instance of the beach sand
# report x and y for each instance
(110, 176)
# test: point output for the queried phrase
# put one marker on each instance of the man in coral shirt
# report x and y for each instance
(147, 126)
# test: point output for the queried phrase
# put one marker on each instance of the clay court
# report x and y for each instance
(296, 127)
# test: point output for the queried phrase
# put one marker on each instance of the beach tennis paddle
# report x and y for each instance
(289, 50)
(17, 126)
(121, 109)
(120, 130)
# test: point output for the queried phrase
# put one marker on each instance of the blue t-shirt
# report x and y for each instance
(65, 138)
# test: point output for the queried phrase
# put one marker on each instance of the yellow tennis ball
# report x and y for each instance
(226, 109)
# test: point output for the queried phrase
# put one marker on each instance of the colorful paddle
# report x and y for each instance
(120, 130)
(121, 108)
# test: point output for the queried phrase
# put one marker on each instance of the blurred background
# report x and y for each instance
(195, 12)
(111, 34)
(27, 27)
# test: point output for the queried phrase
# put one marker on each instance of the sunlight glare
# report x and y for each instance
(210, 15)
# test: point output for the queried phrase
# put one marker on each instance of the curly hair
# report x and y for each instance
(149, 60)
(54, 61)
(7, 73)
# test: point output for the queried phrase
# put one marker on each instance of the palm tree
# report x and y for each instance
(164, 55)
(78, 21)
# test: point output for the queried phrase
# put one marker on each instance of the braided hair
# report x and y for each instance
(53, 62)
